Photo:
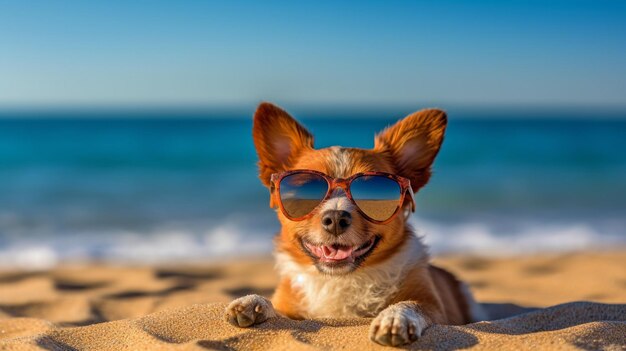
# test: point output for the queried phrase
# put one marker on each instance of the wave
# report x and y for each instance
(235, 238)
(159, 246)
(520, 238)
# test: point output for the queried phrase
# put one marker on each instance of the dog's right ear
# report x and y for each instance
(279, 140)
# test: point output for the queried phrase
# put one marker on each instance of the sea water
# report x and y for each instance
(177, 185)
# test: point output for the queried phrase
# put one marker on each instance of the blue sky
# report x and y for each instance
(153, 53)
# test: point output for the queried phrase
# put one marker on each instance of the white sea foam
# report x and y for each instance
(232, 239)
(166, 245)
(518, 238)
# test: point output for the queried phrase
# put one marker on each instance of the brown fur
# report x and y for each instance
(449, 288)
(287, 301)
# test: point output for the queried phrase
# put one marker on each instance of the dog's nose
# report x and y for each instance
(336, 222)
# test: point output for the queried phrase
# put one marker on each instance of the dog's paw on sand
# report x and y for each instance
(249, 310)
(397, 325)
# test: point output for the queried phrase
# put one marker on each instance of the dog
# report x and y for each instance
(345, 248)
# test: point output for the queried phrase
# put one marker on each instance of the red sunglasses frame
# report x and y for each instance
(334, 183)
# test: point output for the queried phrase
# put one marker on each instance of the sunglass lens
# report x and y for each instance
(300, 193)
(377, 196)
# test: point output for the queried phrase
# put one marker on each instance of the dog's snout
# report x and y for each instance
(336, 222)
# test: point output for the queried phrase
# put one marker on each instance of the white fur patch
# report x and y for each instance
(341, 166)
(338, 201)
(249, 310)
(362, 293)
(400, 319)
(342, 162)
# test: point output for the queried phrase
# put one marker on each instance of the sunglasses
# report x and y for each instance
(377, 196)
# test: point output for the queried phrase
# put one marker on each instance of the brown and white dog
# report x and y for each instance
(388, 275)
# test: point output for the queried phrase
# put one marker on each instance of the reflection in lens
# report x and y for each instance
(377, 196)
(300, 193)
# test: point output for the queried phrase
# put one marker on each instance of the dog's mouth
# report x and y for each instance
(337, 254)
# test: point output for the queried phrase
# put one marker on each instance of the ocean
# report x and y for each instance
(180, 186)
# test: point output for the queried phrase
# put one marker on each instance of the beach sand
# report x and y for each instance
(108, 307)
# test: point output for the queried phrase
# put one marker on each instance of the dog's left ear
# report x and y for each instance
(413, 143)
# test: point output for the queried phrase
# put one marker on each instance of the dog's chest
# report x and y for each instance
(356, 295)
(363, 293)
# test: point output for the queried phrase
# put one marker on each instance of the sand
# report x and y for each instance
(107, 307)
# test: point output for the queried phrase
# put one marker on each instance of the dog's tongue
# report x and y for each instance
(336, 253)
(331, 253)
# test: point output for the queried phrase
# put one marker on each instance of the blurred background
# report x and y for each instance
(125, 127)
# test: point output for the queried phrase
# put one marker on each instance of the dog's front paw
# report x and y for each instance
(397, 325)
(249, 310)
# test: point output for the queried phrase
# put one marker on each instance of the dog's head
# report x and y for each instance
(336, 237)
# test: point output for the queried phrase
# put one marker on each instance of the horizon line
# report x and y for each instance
(312, 110)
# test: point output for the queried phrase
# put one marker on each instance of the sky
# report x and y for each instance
(179, 53)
